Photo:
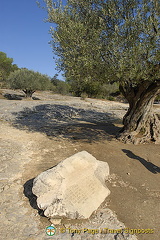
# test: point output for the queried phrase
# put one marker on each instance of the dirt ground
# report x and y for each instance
(134, 179)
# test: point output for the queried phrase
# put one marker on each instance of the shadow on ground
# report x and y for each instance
(150, 166)
(10, 96)
(32, 198)
(13, 96)
(68, 122)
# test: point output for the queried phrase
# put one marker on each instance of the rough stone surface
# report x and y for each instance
(102, 225)
(75, 188)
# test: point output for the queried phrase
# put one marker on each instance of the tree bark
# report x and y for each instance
(141, 124)
(28, 93)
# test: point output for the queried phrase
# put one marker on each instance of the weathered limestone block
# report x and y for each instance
(74, 188)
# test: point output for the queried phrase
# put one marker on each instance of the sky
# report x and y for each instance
(24, 36)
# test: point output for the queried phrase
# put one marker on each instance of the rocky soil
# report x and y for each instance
(37, 134)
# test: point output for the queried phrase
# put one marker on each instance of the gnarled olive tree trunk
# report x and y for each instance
(141, 124)
(28, 93)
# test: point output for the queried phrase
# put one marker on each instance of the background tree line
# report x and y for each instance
(6, 67)
(29, 81)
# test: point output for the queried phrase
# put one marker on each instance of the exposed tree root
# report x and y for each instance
(149, 133)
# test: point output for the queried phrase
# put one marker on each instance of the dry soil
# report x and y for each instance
(38, 134)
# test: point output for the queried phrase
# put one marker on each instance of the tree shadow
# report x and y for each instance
(32, 198)
(150, 166)
(35, 98)
(68, 122)
(13, 96)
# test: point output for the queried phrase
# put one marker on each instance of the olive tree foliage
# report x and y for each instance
(112, 41)
(28, 81)
(76, 43)
(6, 66)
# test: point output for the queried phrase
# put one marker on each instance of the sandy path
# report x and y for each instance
(22, 158)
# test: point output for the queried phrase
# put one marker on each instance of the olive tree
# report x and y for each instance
(28, 81)
(113, 41)
(6, 66)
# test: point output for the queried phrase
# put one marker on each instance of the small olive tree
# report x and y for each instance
(28, 81)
